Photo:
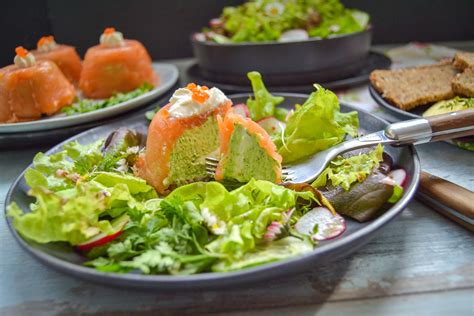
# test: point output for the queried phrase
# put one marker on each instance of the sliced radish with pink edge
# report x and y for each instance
(271, 125)
(399, 176)
(241, 109)
(323, 221)
(216, 23)
(101, 239)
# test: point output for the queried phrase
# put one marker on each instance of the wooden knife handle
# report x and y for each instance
(448, 125)
(448, 193)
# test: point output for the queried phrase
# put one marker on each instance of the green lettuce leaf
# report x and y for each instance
(239, 218)
(88, 105)
(346, 171)
(266, 253)
(70, 215)
(315, 126)
(263, 103)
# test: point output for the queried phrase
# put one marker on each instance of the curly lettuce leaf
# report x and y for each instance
(71, 215)
(239, 218)
(263, 103)
(266, 253)
(346, 171)
(315, 126)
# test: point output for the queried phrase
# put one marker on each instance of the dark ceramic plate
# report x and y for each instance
(395, 111)
(62, 257)
(302, 82)
(272, 58)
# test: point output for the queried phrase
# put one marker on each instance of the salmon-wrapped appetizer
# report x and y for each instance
(181, 135)
(246, 151)
(64, 56)
(116, 65)
(30, 88)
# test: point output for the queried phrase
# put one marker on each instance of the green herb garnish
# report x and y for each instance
(89, 105)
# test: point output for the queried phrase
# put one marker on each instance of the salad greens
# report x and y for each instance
(263, 104)
(200, 226)
(89, 105)
(267, 20)
(346, 171)
(315, 126)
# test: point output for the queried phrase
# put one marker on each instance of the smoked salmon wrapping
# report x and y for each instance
(27, 93)
(108, 70)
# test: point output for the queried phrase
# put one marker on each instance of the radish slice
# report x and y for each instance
(241, 109)
(399, 176)
(293, 35)
(216, 23)
(323, 221)
(271, 125)
(101, 239)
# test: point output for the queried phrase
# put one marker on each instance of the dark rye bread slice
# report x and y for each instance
(463, 60)
(463, 83)
(410, 87)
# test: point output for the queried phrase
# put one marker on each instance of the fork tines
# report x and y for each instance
(211, 166)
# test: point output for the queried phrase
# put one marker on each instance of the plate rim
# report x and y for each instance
(369, 28)
(67, 121)
(343, 83)
(208, 279)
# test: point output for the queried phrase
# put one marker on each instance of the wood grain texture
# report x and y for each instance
(445, 122)
(448, 193)
(419, 263)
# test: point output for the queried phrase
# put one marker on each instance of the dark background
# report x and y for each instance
(164, 26)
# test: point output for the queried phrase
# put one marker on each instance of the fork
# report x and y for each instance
(411, 132)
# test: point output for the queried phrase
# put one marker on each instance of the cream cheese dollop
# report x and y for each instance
(183, 105)
(113, 39)
(24, 62)
(46, 44)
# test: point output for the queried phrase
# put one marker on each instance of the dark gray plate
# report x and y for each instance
(301, 82)
(272, 58)
(399, 113)
(63, 258)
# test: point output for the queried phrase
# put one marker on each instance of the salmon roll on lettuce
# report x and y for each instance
(181, 135)
(64, 56)
(115, 65)
(31, 88)
(246, 151)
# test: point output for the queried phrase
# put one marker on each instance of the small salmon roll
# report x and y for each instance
(246, 151)
(30, 88)
(116, 65)
(181, 135)
(64, 56)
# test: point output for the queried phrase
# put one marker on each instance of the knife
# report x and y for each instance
(447, 198)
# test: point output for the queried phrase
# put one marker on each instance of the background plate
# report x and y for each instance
(63, 258)
(168, 76)
(291, 82)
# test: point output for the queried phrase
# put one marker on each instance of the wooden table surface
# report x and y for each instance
(420, 264)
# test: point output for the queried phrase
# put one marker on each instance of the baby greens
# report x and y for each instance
(266, 20)
(88, 105)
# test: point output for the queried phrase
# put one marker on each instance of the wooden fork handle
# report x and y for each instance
(452, 125)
